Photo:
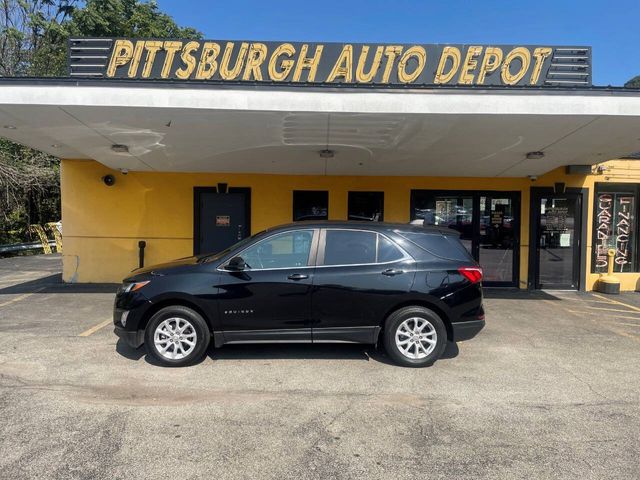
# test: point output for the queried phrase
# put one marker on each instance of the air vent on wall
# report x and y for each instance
(362, 130)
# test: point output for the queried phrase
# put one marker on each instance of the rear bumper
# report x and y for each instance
(133, 339)
(466, 330)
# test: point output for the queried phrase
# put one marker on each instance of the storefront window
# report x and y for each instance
(615, 227)
(368, 206)
(486, 221)
(450, 211)
(310, 205)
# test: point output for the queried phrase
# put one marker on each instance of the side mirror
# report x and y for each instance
(236, 264)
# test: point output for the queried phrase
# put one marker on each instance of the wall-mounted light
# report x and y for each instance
(119, 148)
(535, 155)
(326, 153)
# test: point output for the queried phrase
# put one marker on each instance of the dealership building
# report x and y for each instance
(189, 146)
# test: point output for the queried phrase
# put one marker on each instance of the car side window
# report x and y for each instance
(286, 250)
(387, 250)
(349, 247)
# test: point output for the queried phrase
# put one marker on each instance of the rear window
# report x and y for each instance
(349, 247)
(445, 246)
(387, 251)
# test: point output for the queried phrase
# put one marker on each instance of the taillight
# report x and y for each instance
(473, 274)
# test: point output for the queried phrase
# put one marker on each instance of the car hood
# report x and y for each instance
(161, 267)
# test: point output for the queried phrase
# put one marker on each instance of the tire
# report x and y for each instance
(417, 349)
(173, 349)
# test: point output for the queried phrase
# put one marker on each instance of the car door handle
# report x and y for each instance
(297, 276)
(392, 271)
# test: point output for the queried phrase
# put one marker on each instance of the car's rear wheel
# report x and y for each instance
(177, 336)
(415, 336)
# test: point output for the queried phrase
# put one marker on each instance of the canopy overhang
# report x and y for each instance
(277, 130)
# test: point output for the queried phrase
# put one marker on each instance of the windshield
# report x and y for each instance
(212, 257)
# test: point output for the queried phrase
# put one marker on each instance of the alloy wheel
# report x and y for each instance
(416, 338)
(175, 338)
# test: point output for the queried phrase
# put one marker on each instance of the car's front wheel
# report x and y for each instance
(415, 336)
(177, 336)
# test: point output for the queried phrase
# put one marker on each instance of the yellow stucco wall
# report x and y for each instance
(102, 225)
(616, 171)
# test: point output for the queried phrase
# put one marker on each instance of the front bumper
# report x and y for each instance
(136, 305)
(132, 338)
(466, 330)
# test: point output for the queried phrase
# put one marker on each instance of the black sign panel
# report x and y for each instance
(330, 63)
(614, 228)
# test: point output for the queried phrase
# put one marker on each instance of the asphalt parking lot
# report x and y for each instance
(550, 389)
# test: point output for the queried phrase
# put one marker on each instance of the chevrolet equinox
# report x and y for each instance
(409, 288)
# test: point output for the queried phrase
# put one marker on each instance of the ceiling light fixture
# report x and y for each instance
(326, 152)
(535, 155)
(55, 145)
(118, 148)
(10, 127)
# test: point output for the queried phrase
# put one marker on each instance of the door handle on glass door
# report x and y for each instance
(391, 272)
(297, 276)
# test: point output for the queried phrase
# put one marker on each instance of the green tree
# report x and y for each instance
(127, 18)
(35, 32)
(114, 18)
(33, 42)
(29, 32)
(29, 182)
(633, 83)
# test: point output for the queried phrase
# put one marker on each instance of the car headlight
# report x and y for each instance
(132, 287)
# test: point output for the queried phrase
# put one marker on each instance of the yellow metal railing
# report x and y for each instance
(38, 230)
(57, 236)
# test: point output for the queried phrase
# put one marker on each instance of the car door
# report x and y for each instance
(271, 298)
(360, 275)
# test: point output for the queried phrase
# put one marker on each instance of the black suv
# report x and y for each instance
(408, 287)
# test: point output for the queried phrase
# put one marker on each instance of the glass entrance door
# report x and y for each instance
(497, 240)
(488, 223)
(558, 241)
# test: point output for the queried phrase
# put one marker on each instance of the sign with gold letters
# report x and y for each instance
(351, 64)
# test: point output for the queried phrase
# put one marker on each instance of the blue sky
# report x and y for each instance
(611, 28)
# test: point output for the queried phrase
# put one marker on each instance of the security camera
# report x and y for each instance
(109, 180)
(124, 171)
(533, 178)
